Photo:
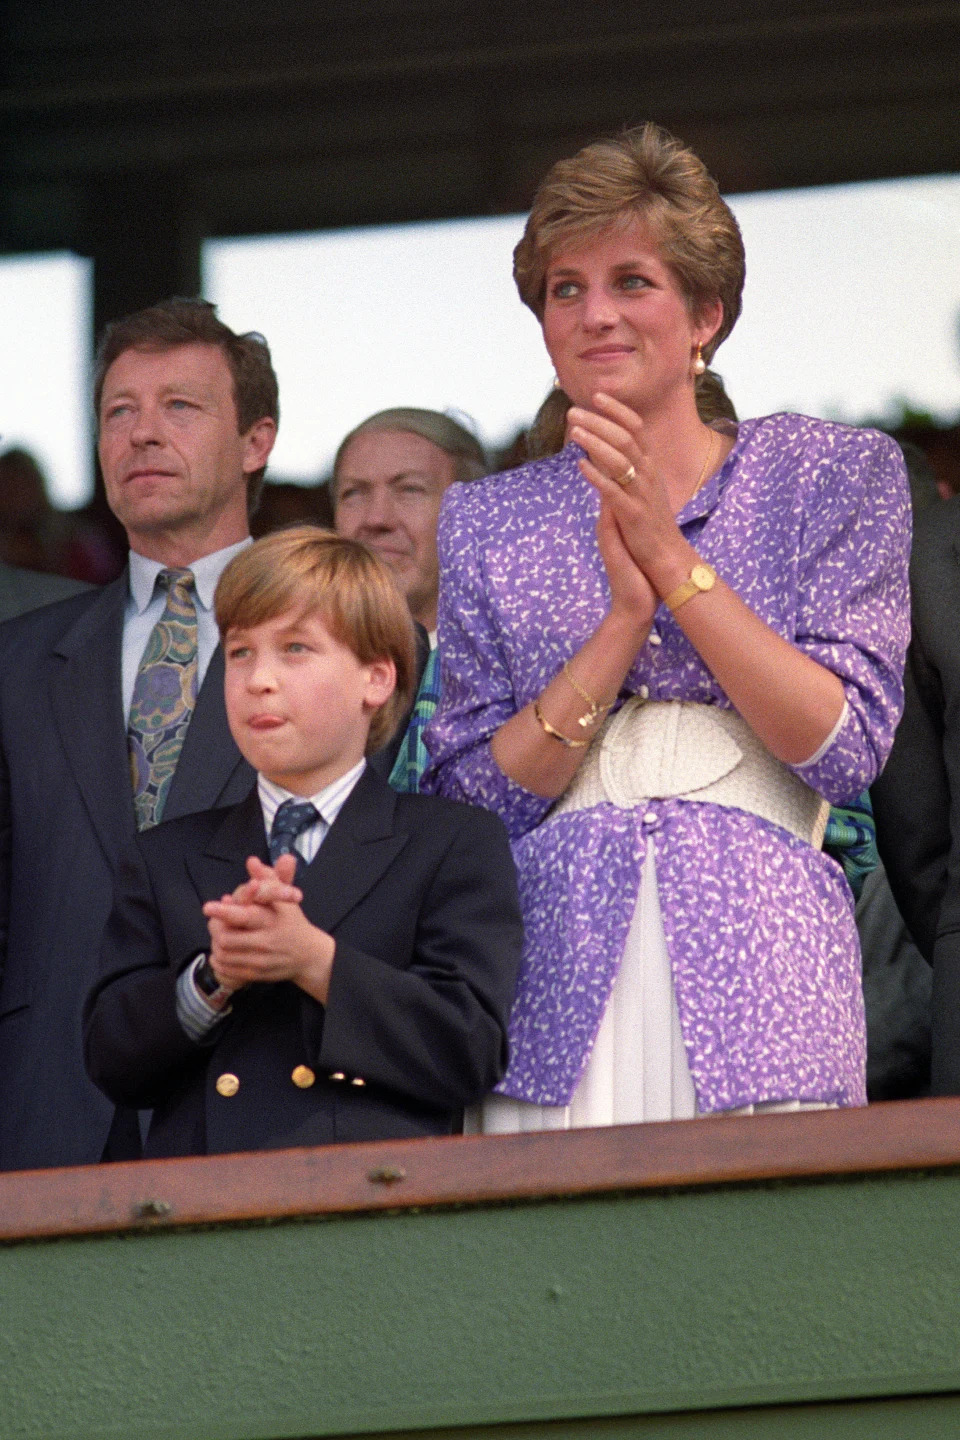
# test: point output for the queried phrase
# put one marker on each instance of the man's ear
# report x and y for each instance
(257, 444)
(381, 682)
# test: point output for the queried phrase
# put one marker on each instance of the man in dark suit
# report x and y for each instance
(917, 798)
(371, 1001)
(187, 415)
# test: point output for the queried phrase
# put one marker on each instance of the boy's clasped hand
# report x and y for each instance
(260, 933)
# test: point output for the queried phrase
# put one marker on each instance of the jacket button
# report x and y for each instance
(357, 1080)
(227, 1085)
(338, 1075)
(303, 1077)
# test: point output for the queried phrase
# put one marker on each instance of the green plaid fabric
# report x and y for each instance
(412, 756)
(851, 839)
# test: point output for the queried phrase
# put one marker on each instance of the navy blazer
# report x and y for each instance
(66, 814)
(420, 895)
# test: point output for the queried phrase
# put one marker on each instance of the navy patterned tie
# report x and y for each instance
(164, 696)
(291, 819)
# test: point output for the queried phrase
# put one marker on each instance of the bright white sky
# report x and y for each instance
(852, 306)
(45, 366)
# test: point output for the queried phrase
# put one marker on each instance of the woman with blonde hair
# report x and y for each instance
(665, 651)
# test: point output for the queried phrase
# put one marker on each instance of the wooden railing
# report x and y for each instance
(339, 1179)
(741, 1277)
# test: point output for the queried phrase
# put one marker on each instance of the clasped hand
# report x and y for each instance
(260, 933)
(636, 531)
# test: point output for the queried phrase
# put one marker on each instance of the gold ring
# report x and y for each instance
(624, 480)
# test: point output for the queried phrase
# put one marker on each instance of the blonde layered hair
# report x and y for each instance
(648, 175)
(308, 569)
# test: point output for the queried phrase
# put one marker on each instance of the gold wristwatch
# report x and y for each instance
(703, 577)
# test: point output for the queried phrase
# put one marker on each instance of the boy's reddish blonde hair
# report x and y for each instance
(308, 569)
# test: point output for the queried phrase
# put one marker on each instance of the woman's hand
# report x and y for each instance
(526, 747)
(790, 701)
(615, 443)
(630, 591)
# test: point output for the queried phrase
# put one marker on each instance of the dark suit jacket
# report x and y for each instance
(66, 814)
(420, 895)
(917, 798)
(23, 590)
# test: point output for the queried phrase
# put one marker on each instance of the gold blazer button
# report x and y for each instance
(227, 1085)
(303, 1077)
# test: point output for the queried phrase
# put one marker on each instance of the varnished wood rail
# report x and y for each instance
(337, 1179)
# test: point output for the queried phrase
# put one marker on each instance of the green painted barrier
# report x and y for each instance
(614, 1303)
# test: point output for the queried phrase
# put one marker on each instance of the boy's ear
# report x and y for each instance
(381, 682)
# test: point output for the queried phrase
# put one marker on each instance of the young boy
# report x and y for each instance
(366, 995)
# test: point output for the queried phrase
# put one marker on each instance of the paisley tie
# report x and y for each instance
(291, 819)
(164, 695)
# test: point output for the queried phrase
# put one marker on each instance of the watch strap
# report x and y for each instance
(204, 976)
(701, 579)
(206, 983)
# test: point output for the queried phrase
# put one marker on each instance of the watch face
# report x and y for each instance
(702, 576)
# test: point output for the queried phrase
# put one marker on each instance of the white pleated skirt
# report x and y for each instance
(638, 1068)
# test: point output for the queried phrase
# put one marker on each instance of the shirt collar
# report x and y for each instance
(329, 801)
(206, 572)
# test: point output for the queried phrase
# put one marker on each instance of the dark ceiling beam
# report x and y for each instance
(129, 136)
(877, 25)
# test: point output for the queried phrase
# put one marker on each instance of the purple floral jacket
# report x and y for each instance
(810, 523)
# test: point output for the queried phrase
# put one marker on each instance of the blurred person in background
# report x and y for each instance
(33, 537)
(23, 590)
(390, 476)
(32, 532)
(282, 504)
(897, 981)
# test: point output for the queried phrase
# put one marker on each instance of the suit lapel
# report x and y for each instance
(361, 845)
(87, 700)
(87, 704)
(220, 868)
(209, 757)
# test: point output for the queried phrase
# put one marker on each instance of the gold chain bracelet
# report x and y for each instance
(596, 708)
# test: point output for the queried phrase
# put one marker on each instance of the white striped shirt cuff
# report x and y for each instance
(196, 1015)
